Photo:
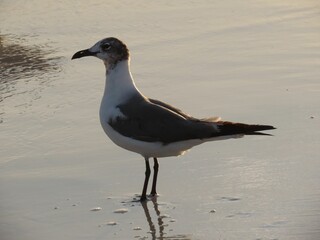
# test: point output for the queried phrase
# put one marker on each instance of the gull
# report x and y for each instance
(146, 126)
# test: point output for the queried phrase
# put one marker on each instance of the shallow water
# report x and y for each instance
(248, 61)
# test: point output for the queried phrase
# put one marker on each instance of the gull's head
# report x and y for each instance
(109, 50)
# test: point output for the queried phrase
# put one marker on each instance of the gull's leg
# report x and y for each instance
(155, 176)
(146, 180)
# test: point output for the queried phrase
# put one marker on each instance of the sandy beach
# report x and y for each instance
(245, 61)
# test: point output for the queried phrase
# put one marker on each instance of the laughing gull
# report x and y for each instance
(147, 126)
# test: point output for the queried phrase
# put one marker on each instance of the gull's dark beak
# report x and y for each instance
(83, 53)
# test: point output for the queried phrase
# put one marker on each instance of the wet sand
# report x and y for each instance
(254, 62)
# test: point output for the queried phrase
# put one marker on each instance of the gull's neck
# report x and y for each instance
(119, 82)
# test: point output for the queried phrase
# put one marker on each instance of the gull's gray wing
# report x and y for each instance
(155, 121)
(174, 109)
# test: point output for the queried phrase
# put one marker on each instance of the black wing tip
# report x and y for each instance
(270, 127)
(265, 128)
(230, 128)
(256, 130)
(259, 134)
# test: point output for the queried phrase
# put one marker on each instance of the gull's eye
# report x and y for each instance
(105, 46)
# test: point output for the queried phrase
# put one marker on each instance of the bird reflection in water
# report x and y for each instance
(158, 231)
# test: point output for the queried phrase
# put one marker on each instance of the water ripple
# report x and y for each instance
(22, 62)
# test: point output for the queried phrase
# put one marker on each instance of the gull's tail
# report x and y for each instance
(231, 128)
